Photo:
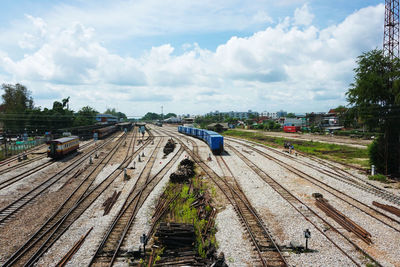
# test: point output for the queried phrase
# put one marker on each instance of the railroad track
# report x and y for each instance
(111, 247)
(15, 157)
(383, 218)
(112, 241)
(18, 177)
(9, 211)
(78, 201)
(268, 251)
(308, 213)
(335, 173)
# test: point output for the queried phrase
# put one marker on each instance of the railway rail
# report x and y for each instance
(110, 249)
(268, 251)
(18, 177)
(112, 241)
(77, 202)
(336, 173)
(9, 211)
(15, 157)
(308, 213)
(370, 211)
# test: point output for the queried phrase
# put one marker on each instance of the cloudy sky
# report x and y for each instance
(185, 55)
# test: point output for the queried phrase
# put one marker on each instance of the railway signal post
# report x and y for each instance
(307, 235)
(143, 240)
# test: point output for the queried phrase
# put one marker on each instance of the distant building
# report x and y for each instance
(188, 120)
(235, 114)
(106, 118)
(270, 115)
(281, 113)
(218, 127)
(294, 122)
(326, 121)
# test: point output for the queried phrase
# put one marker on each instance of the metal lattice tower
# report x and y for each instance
(391, 35)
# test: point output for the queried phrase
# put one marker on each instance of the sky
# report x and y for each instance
(189, 57)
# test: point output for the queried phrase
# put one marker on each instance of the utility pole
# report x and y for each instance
(162, 113)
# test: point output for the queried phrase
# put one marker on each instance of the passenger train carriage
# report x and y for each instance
(214, 140)
(62, 146)
(104, 132)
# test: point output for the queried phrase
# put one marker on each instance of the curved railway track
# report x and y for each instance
(336, 173)
(15, 157)
(108, 249)
(29, 161)
(11, 209)
(268, 251)
(308, 214)
(78, 201)
(12, 180)
(372, 212)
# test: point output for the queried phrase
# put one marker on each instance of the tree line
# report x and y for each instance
(18, 113)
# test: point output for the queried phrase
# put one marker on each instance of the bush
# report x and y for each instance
(378, 177)
(376, 154)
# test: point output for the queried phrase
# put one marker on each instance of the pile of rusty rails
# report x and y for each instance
(171, 237)
(67, 257)
(335, 173)
(73, 207)
(343, 220)
(177, 239)
(109, 203)
(388, 208)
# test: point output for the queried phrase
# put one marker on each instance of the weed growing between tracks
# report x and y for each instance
(188, 222)
(334, 152)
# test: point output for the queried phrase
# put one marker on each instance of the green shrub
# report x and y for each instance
(376, 154)
(378, 177)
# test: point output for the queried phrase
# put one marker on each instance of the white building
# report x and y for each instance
(271, 115)
(235, 114)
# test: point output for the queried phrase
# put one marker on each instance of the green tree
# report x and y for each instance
(118, 114)
(169, 115)
(17, 101)
(375, 95)
(151, 116)
(85, 116)
(290, 115)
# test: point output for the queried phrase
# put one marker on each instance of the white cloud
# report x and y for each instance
(282, 64)
(302, 16)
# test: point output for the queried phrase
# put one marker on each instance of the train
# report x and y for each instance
(214, 140)
(58, 148)
(104, 132)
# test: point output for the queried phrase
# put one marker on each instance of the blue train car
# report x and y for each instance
(214, 140)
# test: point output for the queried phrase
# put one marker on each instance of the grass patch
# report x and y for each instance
(378, 177)
(182, 210)
(334, 152)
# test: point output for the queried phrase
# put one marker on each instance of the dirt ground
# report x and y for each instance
(339, 140)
